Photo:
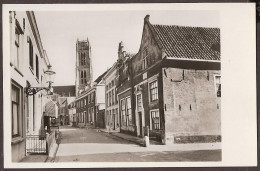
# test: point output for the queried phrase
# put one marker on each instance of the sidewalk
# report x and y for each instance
(34, 158)
(130, 138)
(156, 146)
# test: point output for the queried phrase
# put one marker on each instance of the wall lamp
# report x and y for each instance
(49, 75)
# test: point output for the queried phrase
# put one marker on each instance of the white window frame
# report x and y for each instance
(149, 91)
(19, 112)
(215, 82)
(127, 114)
(151, 126)
(121, 107)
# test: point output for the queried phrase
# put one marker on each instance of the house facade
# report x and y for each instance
(90, 105)
(124, 82)
(177, 83)
(51, 109)
(63, 111)
(28, 61)
(85, 108)
(112, 120)
(72, 113)
(171, 88)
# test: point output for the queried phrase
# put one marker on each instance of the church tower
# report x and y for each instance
(83, 66)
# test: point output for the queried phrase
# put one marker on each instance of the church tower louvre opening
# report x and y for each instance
(83, 66)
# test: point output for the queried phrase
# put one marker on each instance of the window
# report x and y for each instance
(17, 45)
(107, 99)
(110, 101)
(123, 112)
(218, 85)
(81, 77)
(31, 53)
(155, 120)
(108, 117)
(139, 102)
(116, 101)
(113, 97)
(18, 35)
(92, 97)
(129, 111)
(89, 99)
(85, 77)
(83, 58)
(16, 116)
(37, 67)
(89, 119)
(112, 83)
(126, 111)
(92, 114)
(153, 91)
(85, 101)
(144, 60)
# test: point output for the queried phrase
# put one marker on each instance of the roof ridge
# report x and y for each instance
(185, 26)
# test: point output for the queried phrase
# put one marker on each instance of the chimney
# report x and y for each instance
(146, 18)
(120, 50)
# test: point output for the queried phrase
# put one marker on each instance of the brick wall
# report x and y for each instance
(191, 104)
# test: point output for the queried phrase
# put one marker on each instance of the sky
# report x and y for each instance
(59, 31)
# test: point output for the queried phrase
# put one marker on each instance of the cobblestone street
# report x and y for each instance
(89, 145)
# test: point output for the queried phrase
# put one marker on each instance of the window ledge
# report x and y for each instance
(154, 101)
(37, 79)
(17, 140)
(31, 70)
(16, 69)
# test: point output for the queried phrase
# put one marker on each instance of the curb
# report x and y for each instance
(135, 142)
(111, 133)
(51, 159)
(138, 143)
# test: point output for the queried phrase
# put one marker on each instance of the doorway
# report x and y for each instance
(140, 123)
(114, 121)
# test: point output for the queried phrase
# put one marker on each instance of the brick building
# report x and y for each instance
(111, 112)
(65, 91)
(124, 82)
(90, 105)
(172, 85)
(63, 111)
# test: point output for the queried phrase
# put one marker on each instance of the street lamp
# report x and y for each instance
(49, 75)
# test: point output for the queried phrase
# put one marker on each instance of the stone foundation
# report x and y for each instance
(197, 139)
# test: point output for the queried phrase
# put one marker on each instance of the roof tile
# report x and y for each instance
(189, 42)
